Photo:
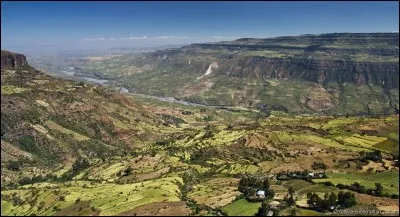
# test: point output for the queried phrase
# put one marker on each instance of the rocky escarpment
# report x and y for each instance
(384, 74)
(11, 60)
(337, 73)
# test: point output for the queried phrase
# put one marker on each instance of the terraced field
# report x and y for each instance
(214, 193)
(108, 199)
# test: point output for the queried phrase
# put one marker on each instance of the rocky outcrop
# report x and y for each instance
(213, 65)
(11, 60)
(163, 58)
(318, 99)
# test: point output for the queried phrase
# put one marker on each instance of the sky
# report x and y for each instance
(90, 25)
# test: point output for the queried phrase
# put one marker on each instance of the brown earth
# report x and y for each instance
(160, 209)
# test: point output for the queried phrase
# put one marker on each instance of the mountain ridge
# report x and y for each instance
(358, 73)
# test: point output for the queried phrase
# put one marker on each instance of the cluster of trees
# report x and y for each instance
(304, 175)
(79, 165)
(266, 208)
(344, 199)
(15, 165)
(375, 156)
(172, 120)
(163, 142)
(40, 178)
(357, 187)
(250, 185)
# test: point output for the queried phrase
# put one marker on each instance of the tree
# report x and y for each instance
(346, 199)
(263, 210)
(328, 183)
(291, 190)
(318, 201)
(266, 184)
(251, 191)
(311, 199)
(128, 171)
(332, 199)
(79, 165)
(293, 212)
(378, 189)
(14, 166)
(291, 201)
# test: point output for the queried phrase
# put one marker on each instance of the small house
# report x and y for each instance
(260, 194)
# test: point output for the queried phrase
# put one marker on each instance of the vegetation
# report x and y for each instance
(71, 148)
(250, 185)
(330, 201)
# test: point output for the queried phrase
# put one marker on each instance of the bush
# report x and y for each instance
(14, 166)
(319, 165)
(208, 118)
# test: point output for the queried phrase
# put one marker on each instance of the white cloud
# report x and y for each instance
(226, 37)
(134, 38)
(95, 39)
(163, 37)
(171, 37)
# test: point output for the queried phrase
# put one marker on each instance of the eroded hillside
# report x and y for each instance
(47, 122)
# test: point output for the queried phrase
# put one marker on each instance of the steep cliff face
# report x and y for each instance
(384, 74)
(11, 60)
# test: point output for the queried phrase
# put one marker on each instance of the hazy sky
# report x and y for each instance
(113, 24)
